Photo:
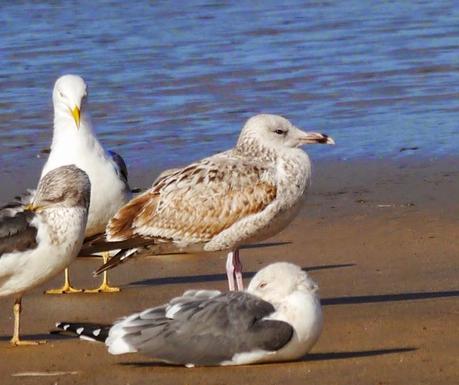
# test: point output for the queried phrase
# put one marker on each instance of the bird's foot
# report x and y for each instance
(104, 288)
(17, 342)
(66, 289)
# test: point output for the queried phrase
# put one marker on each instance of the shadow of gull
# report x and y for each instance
(389, 297)
(46, 337)
(216, 277)
(308, 357)
(357, 354)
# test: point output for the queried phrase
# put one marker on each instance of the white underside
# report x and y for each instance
(303, 312)
(56, 249)
(108, 191)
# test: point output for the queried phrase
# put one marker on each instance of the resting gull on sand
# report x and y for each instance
(39, 240)
(74, 142)
(278, 318)
(242, 195)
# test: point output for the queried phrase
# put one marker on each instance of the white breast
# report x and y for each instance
(304, 313)
(59, 240)
(108, 192)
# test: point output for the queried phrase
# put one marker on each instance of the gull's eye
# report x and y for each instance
(262, 285)
(280, 132)
(61, 94)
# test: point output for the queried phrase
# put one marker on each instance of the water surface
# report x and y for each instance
(171, 82)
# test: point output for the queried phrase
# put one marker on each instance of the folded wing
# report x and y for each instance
(201, 329)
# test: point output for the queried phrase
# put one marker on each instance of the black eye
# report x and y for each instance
(262, 285)
(61, 94)
(279, 132)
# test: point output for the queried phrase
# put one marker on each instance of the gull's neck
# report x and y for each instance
(65, 129)
(250, 147)
(71, 145)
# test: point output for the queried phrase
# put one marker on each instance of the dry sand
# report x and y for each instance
(380, 238)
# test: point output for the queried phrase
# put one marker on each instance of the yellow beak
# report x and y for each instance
(76, 116)
(32, 207)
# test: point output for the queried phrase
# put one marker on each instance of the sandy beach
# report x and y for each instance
(380, 238)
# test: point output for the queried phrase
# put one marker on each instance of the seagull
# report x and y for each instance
(278, 318)
(74, 142)
(39, 240)
(242, 195)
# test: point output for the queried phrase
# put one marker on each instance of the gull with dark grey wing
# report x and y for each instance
(40, 240)
(278, 318)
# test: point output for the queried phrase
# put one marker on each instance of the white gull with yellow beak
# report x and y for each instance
(74, 142)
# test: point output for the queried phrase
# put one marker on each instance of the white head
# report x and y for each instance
(277, 281)
(276, 132)
(69, 98)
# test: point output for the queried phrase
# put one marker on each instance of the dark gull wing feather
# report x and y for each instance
(16, 231)
(121, 168)
(202, 330)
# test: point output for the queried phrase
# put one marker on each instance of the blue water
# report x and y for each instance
(171, 82)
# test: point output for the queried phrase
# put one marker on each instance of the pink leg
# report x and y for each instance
(230, 271)
(238, 270)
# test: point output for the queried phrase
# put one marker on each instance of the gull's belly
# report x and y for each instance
(108, 192)
(277, 224)
(255, 228)
(57, 247)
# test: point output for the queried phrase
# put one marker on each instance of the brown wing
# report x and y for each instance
(196, 202)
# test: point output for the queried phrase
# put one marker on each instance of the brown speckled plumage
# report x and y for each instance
(245, 194)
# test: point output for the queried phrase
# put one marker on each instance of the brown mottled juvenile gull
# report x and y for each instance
(278, 318)
(243, 195)
(40, 240)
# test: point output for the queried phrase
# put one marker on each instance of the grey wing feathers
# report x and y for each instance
(16, 231)
(204, 329)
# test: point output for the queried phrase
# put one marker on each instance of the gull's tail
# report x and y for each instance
(86, 331)
(114, 261)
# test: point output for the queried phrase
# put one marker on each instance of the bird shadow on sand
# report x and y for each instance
(217, 277)
(363, 299)
(264, 245)
(308, 357)
(355, 354)
(39, 337)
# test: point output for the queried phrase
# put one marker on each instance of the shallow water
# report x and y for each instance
(171, 82)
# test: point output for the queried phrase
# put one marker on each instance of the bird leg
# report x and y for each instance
(230, 271)
(104, 287)
(67, 288)
(234, 271)
(238, 270)
(15, 340)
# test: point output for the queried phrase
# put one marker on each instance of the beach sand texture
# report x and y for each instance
(380, 238)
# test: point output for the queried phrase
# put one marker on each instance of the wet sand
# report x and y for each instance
(379, 237)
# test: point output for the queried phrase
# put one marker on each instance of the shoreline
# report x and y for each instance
(379, 237)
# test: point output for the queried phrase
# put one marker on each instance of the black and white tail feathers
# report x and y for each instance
(86, 331)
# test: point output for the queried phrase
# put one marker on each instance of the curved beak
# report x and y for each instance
(314, 138)
(76, 116)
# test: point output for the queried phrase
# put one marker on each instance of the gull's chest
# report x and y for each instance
(293, 177)
(64, 225)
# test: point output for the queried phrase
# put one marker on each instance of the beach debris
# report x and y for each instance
(414, 148)
(45, 374)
